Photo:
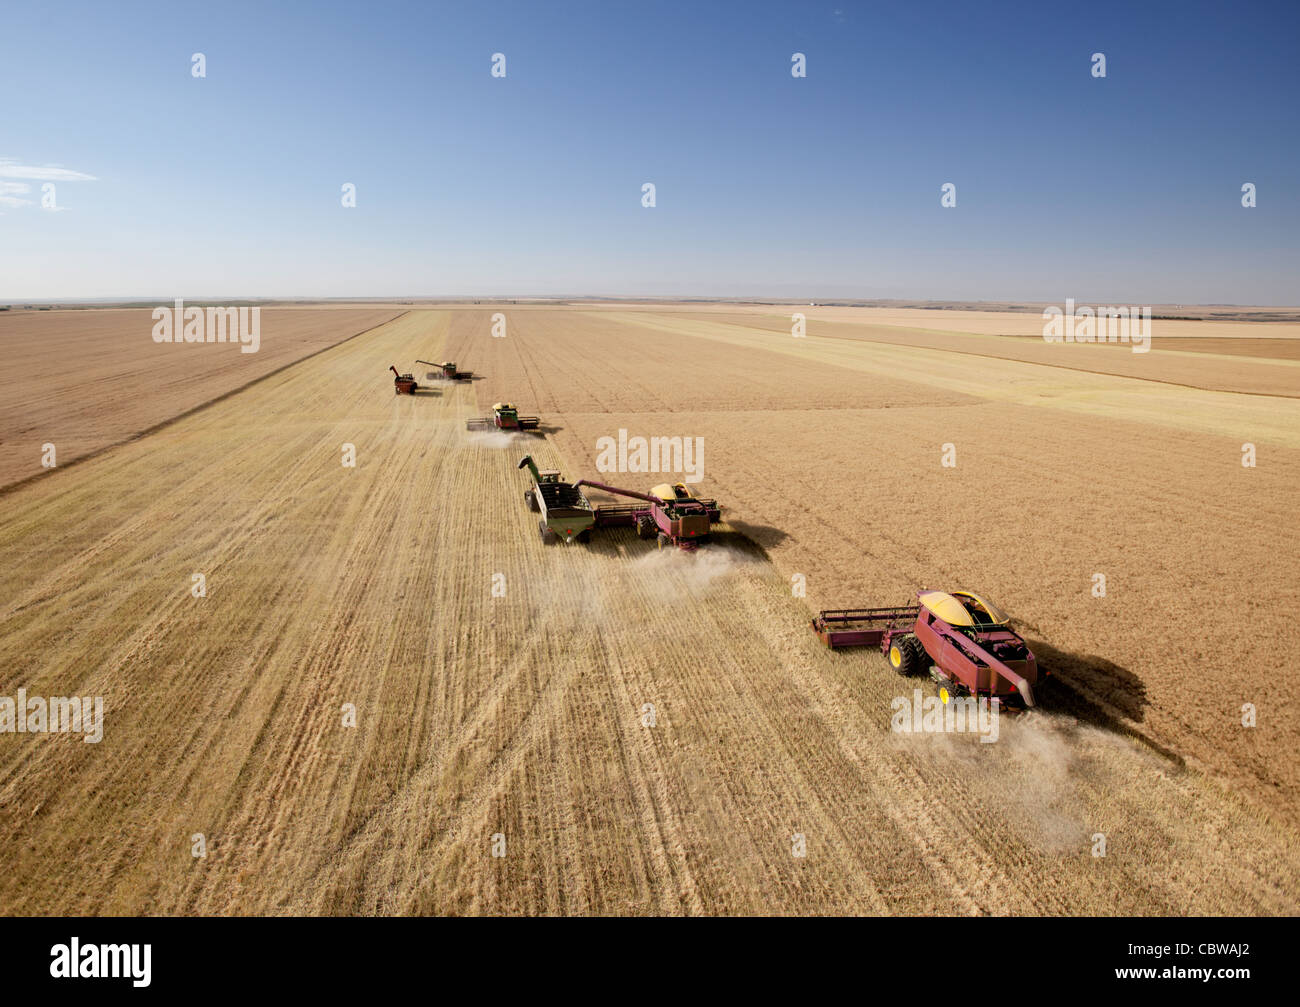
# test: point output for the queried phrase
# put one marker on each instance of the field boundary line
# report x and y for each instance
(13, 487)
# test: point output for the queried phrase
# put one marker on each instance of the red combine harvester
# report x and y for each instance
(670, 513)
(403, 384)
(963, 638)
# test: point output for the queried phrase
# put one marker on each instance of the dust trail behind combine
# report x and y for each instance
(502, 440)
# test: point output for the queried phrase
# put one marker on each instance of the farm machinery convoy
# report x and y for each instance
(963, 639)
(504, 414)
(670, 513)
(405, 384)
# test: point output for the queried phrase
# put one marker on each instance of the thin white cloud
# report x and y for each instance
(9, 168)
(14, 201)
(7, 187)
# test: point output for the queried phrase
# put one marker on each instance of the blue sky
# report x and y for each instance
(1122, 189)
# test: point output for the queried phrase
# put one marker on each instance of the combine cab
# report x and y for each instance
(504, 417)
(669, 513)
(445, 371)
(403, 384)
(566, 515)
(963, 639)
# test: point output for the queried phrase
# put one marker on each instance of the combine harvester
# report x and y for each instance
(671, 514)
(962, 638)
(445, 371)
(504, 417)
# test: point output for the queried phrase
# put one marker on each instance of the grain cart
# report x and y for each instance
(504, 417)
(670, 513)
(962, 638)
(445, 371)
(566, 515)
(403, 384)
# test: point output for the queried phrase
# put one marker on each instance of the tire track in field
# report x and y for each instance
(158, 625)
(491, 708)
(677, 892)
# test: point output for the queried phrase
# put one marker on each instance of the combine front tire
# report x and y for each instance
(906, 655)
(645, 527)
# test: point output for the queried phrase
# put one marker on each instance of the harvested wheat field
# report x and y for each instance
(500, 685)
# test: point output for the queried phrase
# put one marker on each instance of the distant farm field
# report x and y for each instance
(500, 687)
(84, 379)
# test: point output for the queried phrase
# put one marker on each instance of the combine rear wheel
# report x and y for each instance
(906, 655)
(548, 536)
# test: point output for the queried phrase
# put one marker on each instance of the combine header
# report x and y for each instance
(963, 638)
(445, 371)
(670, 514)
(504, 417)
(403, 384)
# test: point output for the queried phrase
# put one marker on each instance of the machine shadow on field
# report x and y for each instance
(755, 536)
(1118, 688)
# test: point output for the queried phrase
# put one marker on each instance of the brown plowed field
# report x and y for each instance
(521, 714)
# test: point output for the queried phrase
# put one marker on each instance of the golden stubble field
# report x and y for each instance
(521, 716)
